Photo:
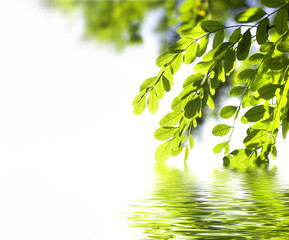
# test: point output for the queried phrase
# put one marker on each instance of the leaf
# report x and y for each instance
(177, 62)
(191, 53)
(211, 25)
(221, 130)
(244, 46)
(277, 63)
(147, 83)
(166, 83)
(171, 119)
(218, 38)
(193, 108)
(273, 3)
(153, 102)
(191, 141)
(250, 15)
(283, 46)
(274, 152)
(245, 76)
(203, 67)
(237, 91)
(140, 106)
(228, 111)
(194, 32)
(281, 21)
(230, 61)
(236, 35)
(218, 148)
(180, 101)
(164, 133)
(262, 31)
(256, 113)
(211, 102)
(164, 59)
(186, 154)
(255, 138)
(194, 78)
(163, 151)
(256, 58)
(203, 43)
(266, 47)
(159, 88)
(267, 92)
(176, 152)
(180, 45)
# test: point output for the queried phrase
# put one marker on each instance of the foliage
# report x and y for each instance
(260, 41)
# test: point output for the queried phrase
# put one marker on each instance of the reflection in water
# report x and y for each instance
(236, 204)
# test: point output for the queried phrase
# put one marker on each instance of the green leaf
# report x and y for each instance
(194, 32)
(191, 141)
(171, 119)
(211, 102)
(230, 61)
(218, 148)
(194, 78)
(285, 127)
(281, 21)
(147, 83)
(228, 111)
(180, 101)
(163, 151)
(176, 152)
(221, 130)
(211, 25)
(245, 76)
(274, 152)
(244, 46)
(164, 133)
(256, 113)
(239, 155)
(180, 45)
(219, 38)
(203, 43)
(256, 58)
(273, 3)
(177, 62)
(237, 91)
(166, 83)
(278, 63)
(193, 108)
(159, 88)
(236, 35)
(250, 15)
(164, 59)
(191, 53)
(267, 92)
(186, 154)
(139, 106)
(203, 67)
(255, 138)
(153, 102)
(266, 47)
(283, 46)
(262, 31)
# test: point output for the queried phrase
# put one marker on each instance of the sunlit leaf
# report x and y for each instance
(218, 148)
(221, 130)
(164, 58)
(140, 106)
(203, 43)
(228, 111)
(211, 25)
(147, 83)
(194, 78)
(237, 91)
(203, 67)
(219, 38)
(165, 133)
(193, 108)
(191, 53)
(191, 141)
(180, 45)
(236, 35)
(163, 151)
(186, 154)
(171, 119)
(256, 113)
(177, 62)
(250, 15)
(153, 102)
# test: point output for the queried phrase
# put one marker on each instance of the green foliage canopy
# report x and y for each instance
(221, 50)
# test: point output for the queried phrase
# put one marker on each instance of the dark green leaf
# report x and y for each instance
(245, 76)
(244, 46)
(250, 15)
(191, 53)
(165, 133)
(193, 108)
(237, 91)
(221, 130)
(211, 25)
(283, 46)
(255, 138)
(266, 47)
(256, 58)
(277, 63)
(230, 61)
(273, 3)
(218, 38)
(256, 113)
(281, 21)
(163, 151)
(236, 35)
(228, 111)
(267, 92)
(262, 31)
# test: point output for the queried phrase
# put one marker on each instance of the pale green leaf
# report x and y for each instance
(191, 141)
(211, 25)
(203, 67)
(237, 91)
(147, 83)
(228, 111)
(191, 53)
(186, 154)
(203, 43)
(163, 151)
(221, 130)
(177, 62)
(165, 133)
(250, 15)
(194, 32)
(153, 102)
(171, 119)
(180, 45)
(193, 79)
(139, 106)
(218, 148)
(164, 59)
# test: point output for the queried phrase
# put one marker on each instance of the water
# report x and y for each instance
(250, 203)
